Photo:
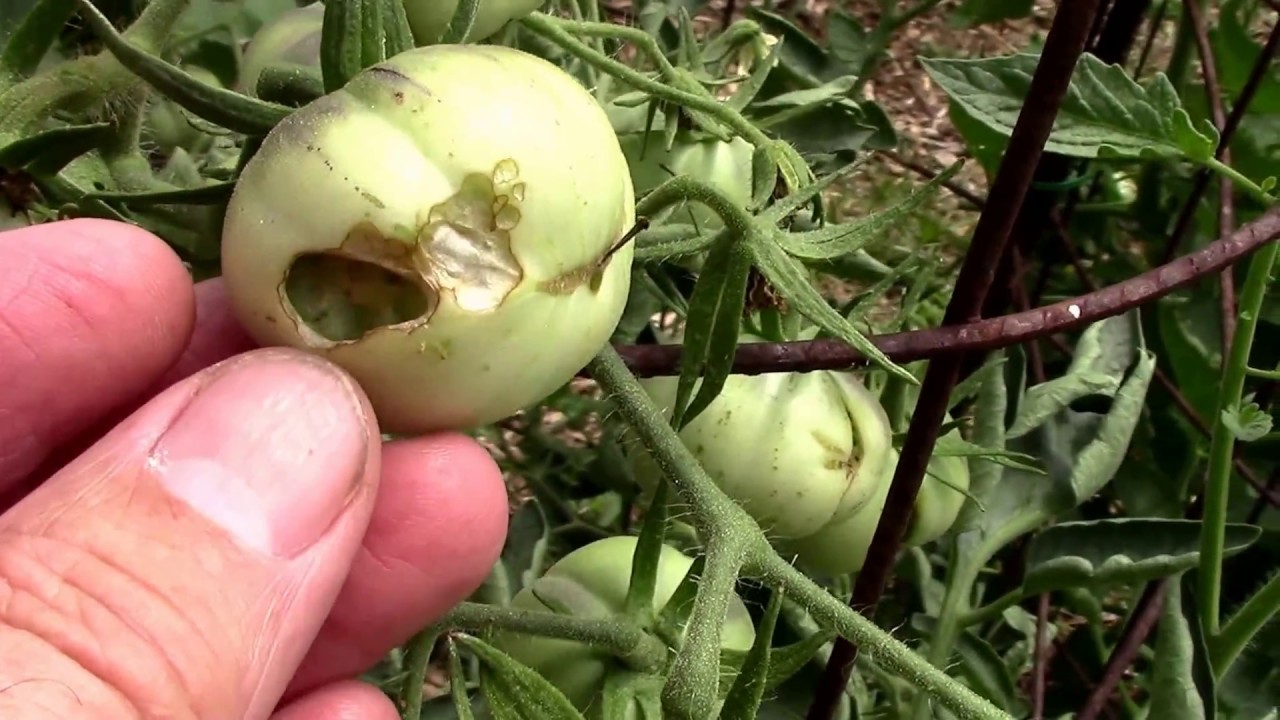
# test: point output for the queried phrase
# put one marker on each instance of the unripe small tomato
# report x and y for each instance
(441, 228)
(593, 581)
(725, 166)
(797, 451)
(841, 548)
(429, 18)
(292, 37)
(169, 128)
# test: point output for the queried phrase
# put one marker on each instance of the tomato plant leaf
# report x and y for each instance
(1080, 450)
(458, 684)
(1247, 422)
(983, 12)
(464, 18)
(790, 279)
(1182, 684)
(828, 92)
(785, 661)
(1105, 113)
(675, 614)
(800, 55)
(764, 177)
(744, 696)
(712, 328)
(397, 37)
(27, 31)
(226, 108)
(341, 45)
(211, 194)
(1097, 367)
(843, 239)
(750, 88)
(1117, 551)
(644, 566)
(515, 691)
(981, 665)
(55, 148)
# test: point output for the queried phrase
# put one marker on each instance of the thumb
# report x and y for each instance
(182, 566)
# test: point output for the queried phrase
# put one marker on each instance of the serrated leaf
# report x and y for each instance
(226, 108)
(789, 278)
(1104, 553)
(743, 698)
(1247, 423)
(1105, 112)
(712, 328)
(838, 240)
(515, 691)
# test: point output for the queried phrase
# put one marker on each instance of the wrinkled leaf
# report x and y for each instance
(1101, 553)
(1181, 684)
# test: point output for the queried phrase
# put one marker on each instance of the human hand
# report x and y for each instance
(192, 528)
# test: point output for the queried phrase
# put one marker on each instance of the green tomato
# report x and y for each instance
(429, 18)
(725, 166)
(440, 228)
(798, 451)
(842, 547)
(292, 37)
(169, 127)
(593, 581)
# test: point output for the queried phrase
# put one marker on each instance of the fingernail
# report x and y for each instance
(271, 448)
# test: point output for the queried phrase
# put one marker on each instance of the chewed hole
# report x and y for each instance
(342, 298)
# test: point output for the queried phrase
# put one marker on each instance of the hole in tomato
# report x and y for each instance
(343, 299)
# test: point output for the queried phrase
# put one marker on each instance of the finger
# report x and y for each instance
(91, 313)
(184, 564)
(217, 336)
(349, 700)
(437, 529)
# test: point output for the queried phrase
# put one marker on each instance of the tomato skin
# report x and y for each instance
(593, 582)
(725, 166)
(841, 548)
(169, 128)
(292, 37)
(429, 18)
(798, 451)
(490, 291)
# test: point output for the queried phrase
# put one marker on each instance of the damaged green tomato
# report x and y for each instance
(429, 18)
(446, 227)
(592, 581)
(798, 451)
(293, 38)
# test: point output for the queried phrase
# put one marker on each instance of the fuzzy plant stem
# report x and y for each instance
(1237, 632)
(551, 29)
(87, 81)
(723, 522)
(1222, 445)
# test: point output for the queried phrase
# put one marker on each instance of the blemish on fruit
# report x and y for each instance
(464, 247)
